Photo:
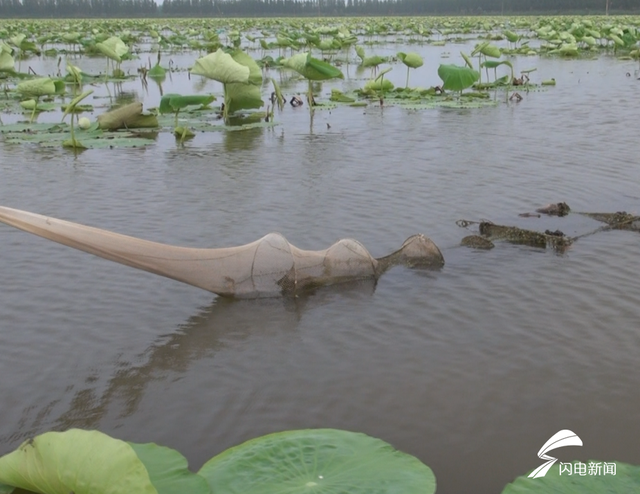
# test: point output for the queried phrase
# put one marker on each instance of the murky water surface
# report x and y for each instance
(471, 368)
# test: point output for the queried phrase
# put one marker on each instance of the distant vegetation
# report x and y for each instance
(258, 8)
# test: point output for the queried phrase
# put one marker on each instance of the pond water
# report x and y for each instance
(470, 368)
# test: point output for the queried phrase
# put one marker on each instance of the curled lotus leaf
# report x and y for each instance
(319, 461)
(83, 462)
(113, 48)
(411, 59)
(456, 78)
(221, 67)
(312, 68)
(255, 72)
(40, 87)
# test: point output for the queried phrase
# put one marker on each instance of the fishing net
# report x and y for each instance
(268, 267)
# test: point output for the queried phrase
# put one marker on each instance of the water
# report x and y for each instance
(471, 368)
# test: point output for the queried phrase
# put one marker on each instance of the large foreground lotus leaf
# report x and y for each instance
(319, 461)
(168, 470)
(78, 461)
(456, 78)
(221, 67)
(312, 68)
(626, 479)
(40, 87)
(255, 72)
(113, 48)
(242, 97)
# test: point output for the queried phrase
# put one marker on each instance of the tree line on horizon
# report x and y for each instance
(260, 8)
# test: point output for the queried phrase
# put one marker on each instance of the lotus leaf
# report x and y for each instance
(490, 51)
(83, 462)
(411, 59)
(40, 87)
(340, 97)
(30, 104)
(74, 72)
(157, 72)
(379, 85)
(255, 72)
(456, 78)
(7, 63)
(312, 68)
(113, 48)
(625, 479)
(221, 67)
(319, 461)
(171, 103)
(168, 470)
(511, 36)
(242, 97)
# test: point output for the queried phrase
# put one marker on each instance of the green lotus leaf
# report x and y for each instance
(456, 78)
(379, 85)
(168, 470)
(30, 104)
(616, 39)
(7, 63)
(312, 68)
(221, 67)
(467, 60)
(373, 61)
(492, 64)
(157, 72)
(625, 479)
(318, 461)
(78, 461)
(171, 103)
(340, 97)
(113, 48)
(71, 37)
(17, 39)
(491, 51)
(40, 87)
(255, 72)
(412, 60)
(242, 97)
(511, 36)
(29, 46)
(74, 72)
(360, 52)
(74, 102)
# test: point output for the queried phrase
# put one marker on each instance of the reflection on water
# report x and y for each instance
(471, 368)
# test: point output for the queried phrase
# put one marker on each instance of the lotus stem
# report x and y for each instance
(407, 84)
(225, 111)
(310, 97)
(35, 108)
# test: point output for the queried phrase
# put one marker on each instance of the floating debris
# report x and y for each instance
(558, 209)
(477, 242)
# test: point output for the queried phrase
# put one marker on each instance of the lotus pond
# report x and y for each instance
(470, 368)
